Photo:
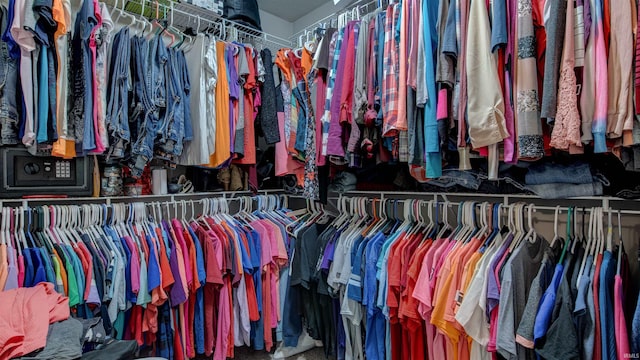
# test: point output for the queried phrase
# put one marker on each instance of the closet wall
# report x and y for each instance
(320, 13)
(274, 25)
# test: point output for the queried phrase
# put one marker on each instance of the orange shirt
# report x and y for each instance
(394, 266)
(65, 148)
(409, 304)
(441, 294)
(165, 268)
(223, 131)
(4, 267)
(452, 297)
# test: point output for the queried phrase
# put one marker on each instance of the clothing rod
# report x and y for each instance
(508, 196)
(144, 199)
(535, 207)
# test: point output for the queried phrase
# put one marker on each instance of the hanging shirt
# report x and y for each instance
(25, 40)
(222, 151)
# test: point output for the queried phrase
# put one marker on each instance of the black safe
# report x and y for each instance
(23, 174)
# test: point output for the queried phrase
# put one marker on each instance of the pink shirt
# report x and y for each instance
(422, 291)
(135, 265)
(178, 229)
(622, 336)
(100, 148)
(25, 315)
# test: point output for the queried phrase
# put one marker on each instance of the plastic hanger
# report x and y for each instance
(601, 231)
(445, 220)
(8, 217)
(531, 236)
(568, 239)
(609, 232)
(621, 248)
(518, 233)
(418, 223)
(3, 227)
(472, 221)
(556, 237)
(484, 223)
(495, 227)
(588, 248)
(576, 238)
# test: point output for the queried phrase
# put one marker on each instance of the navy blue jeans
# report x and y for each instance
(8, 96)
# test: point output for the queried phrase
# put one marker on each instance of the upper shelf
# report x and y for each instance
(184, 15)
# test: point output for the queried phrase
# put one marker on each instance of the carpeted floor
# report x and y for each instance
(249, 354)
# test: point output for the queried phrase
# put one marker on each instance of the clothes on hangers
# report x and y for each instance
(82, 85)
(448, 81)
(177, 286)
(400, 290)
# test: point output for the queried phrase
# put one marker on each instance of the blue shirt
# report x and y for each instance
(431, 137)
(199, 306)
(43, 97)
(39, 274)
(545, 309)
(130, 295)
(370, 289)
(635, 330)
(202, 273)
(14, 48)
(607, 326)
(48, 266)
(80, 276)
(355, 286)
(28, 268)
(153, 271)
(256, 262)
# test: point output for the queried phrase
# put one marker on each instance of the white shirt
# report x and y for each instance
(24, 38)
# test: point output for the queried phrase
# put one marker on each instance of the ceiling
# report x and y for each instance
(286, 10)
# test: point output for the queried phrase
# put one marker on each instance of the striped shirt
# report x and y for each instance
(334, 48)
(599, 125)
(390, 74)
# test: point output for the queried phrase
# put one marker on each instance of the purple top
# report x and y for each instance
(179, 230)
(234, 88)
(177, 294)
(12, 277)
(493, 289)
(327, 257)
(135, 265)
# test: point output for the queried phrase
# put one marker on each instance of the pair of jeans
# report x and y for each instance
(183, 71)
(564, 191)
(81, 111)
(452, 177)
(8, 93)
(300, 93)
(117, 117)
(549, 173)
(147, 88)
(173, 133)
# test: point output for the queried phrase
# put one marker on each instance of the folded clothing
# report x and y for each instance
(114, 350)
(550, 173)
(25, 315)
(566, 191)
(64, 342)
